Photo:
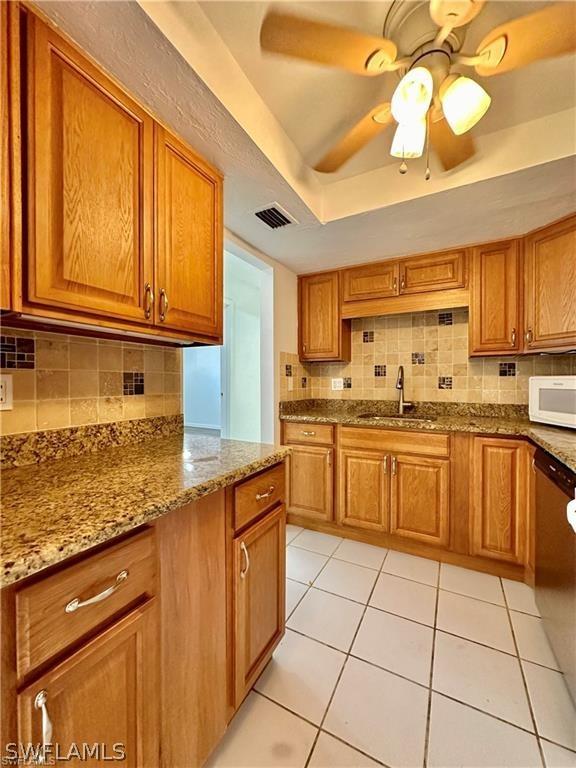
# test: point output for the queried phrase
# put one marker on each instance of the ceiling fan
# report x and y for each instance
(431, 105)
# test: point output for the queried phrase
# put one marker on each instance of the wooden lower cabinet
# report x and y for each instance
(364, 489)
(420, 499)
(310, 482)
(104, 694)
(259, 569)
(500, 493)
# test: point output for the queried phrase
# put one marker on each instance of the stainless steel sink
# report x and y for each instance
(404, 417)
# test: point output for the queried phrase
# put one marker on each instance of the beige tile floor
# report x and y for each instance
(394, 660)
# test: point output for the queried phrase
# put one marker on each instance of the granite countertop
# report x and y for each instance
(559, 442)
(57, 509)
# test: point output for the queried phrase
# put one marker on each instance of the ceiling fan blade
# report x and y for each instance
(363, 132)
(452, 150)
(544, 34)
(325, 43)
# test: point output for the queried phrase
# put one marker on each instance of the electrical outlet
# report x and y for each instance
(5, 392)
(337, 383)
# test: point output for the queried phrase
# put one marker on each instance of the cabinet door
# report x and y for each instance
(500, 499)
(310, 482)
(550, 308)
(495, 299)
(259, 586)
(90, 181)
(364, 489)
(320, 324)
(420, 499)
(189, 240)
(373, 281)
(104, 694)
(436, 272)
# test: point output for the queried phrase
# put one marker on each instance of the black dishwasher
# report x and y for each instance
(556, 560)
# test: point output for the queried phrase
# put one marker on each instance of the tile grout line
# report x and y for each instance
(524, 682)
(429, 709)
(347, 656)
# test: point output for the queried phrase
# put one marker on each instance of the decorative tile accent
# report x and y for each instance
(17, 352)
(133, 383)
(444, 382)
(368, 337)
(304, 382)
(507, 369)
(418, 358)
(347, 382)
(445, 318)
(288, 370)
(379, 371)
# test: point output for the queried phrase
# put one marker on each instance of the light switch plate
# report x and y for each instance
(6, 392)
(337, 383)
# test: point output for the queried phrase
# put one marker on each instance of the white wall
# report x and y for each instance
(279, 326)
(242, 290)
(201, 376)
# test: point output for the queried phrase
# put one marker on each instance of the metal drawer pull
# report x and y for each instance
(73, 605)
(308, 433)
(163, 304)
(149, 301)
(40, 702)
(394, 464)
(244, 550)
(269, 492)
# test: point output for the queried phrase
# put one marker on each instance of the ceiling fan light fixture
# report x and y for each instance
(409, 139)
(464, 102)
(413, 95)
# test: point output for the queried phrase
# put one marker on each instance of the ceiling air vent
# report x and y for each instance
(274, 216)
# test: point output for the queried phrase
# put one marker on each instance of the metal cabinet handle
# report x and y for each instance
(513, 340)
(402, 284)
(308, 433)
(329, 458)
(529, 336)
(73, 605)
(394, 465)
(395, 284)
(163, 304)
(244, 550)
(148, 301)
(385, 464)
(40, 702)
(269, 492)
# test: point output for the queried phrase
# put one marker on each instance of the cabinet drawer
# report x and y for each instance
(392, 441)
(258, 494)
(300, 432)
(46, 616)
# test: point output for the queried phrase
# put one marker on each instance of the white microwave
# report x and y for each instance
(552, 400)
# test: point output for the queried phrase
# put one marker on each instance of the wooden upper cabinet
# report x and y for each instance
(500, 498)
(496, 299)
(189, 240)
(364, 489)
(550, 284)
(433, 272)
(420, 498)
(90, 152)
(310, 481)
(106, 693)
(323, 335)
(372, 281)
(259, 594)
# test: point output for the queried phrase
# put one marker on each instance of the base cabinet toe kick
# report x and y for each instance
(460, 498)
(142, 649)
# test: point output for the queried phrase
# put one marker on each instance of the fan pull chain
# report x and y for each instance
(428, 174)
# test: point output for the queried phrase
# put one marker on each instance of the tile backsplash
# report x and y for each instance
(62, 381)
(433, 348)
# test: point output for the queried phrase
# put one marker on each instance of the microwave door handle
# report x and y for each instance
(571, 514)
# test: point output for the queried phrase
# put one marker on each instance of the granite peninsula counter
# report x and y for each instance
(57, 509)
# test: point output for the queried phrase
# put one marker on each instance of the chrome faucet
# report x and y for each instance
(402, 404)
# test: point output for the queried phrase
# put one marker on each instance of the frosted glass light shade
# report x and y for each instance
(409, 139)
(464, 103)
(412, 96)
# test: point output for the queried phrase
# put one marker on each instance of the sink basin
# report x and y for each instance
(397, 417)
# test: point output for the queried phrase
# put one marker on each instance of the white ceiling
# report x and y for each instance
(315, 105)
(263, 134)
